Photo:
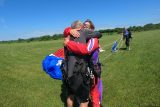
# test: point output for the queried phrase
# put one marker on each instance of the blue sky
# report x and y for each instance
(33, 18)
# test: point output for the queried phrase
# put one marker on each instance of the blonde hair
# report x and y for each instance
(76, 24)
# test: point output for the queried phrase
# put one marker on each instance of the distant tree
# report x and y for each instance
(45, 37)
(20, 40)
(118, 30)
(57, 36)
(149, 26)
(30, 39)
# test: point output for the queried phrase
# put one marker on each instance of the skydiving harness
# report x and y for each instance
(82, 74)
(90, 73)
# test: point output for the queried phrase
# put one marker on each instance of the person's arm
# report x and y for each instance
(81, 48)
(77, 48)
(69, 31)
(130, 34)
(92, 34)
(89, 34)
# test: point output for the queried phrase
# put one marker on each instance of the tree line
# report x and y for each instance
(146, 27)
(41, 38)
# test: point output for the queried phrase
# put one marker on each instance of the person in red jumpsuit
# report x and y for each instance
(83, 49)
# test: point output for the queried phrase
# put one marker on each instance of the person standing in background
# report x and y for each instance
(127, 36)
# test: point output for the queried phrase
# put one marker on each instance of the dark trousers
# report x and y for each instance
(127, 42)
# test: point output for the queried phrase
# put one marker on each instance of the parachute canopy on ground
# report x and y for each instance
(51, 64)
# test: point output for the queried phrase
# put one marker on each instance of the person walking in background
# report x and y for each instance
(127, 36)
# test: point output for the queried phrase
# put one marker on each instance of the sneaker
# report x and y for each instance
(129, 48)
(101, 50)
(115, 51)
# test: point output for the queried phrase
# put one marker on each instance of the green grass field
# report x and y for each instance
(130, 78)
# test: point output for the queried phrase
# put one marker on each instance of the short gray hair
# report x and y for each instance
(76, 24)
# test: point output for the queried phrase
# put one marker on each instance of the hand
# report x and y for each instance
(66, 40)
(74, 33)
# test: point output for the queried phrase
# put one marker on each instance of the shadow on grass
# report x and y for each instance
(122, 48)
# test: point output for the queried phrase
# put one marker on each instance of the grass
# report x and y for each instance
(130, 78)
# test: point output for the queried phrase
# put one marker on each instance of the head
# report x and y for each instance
(76, 25)
(125, 28)
(88, 24)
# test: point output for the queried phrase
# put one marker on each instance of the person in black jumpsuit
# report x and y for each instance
(76, 68)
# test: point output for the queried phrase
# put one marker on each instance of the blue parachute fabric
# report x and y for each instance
(51, 65)
(114, 47)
